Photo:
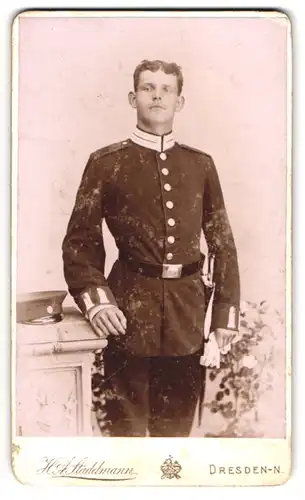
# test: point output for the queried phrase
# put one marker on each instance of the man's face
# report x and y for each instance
(156, 98)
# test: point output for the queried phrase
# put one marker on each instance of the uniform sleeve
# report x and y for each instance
(83, 248)
(220, 241)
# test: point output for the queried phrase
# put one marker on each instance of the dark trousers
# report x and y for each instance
(154, 394)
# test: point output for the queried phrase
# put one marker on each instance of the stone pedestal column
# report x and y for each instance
(53, 377)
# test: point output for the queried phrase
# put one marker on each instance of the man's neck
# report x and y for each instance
(153, 141)
(156, 129)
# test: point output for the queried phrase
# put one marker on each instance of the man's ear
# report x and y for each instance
(180, 103)
(132, 99)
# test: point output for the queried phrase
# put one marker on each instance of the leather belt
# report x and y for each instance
(165, 271)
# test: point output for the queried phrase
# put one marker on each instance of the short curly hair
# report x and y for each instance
(169, 68)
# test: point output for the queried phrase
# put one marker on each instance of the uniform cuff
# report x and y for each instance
(95, 296)
(95, 309)
(225, 316)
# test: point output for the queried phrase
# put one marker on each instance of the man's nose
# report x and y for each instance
(156, 95)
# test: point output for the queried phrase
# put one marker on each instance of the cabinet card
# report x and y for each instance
(151, 160)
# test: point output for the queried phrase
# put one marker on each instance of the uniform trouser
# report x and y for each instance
(151, 395)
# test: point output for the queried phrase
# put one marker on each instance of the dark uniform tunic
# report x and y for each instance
(156, 196)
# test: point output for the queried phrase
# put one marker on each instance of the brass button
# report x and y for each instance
(169, 256)
(163, 156)
(165, 171)
(171, 222)
(169, 204)
(171, 239)
(167, 187)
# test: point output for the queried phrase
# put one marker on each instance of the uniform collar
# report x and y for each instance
(157, 142)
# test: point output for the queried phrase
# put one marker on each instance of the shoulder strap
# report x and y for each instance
(111, 148)
(190, 148)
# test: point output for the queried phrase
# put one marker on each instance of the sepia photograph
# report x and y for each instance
(151, 230)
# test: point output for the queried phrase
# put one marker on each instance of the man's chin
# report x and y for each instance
(158, 118)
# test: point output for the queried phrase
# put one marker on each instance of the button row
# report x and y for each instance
(169, 204)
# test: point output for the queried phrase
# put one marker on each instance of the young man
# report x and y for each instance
(156, 196)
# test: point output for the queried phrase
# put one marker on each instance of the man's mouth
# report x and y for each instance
(157, 106)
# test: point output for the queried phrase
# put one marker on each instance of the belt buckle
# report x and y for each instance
(171, 270)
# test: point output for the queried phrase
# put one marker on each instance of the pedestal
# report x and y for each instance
(53, 377)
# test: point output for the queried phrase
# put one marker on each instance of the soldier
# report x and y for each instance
(156, 196)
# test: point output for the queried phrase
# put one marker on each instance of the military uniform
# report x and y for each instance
(156, 196)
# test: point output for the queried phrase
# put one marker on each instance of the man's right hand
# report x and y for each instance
(109, 321)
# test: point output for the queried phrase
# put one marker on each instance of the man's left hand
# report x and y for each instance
(224, 338)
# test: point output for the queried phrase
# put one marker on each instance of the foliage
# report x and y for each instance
(100, 392)
(246, 372)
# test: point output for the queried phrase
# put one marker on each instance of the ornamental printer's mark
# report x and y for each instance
(170, 469)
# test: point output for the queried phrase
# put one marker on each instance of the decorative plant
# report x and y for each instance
(246, 372)
(100, 391)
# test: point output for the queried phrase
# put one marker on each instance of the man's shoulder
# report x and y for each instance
(194, 150)
(111, 149)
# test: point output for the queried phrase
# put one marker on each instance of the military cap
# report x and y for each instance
(41, 307)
